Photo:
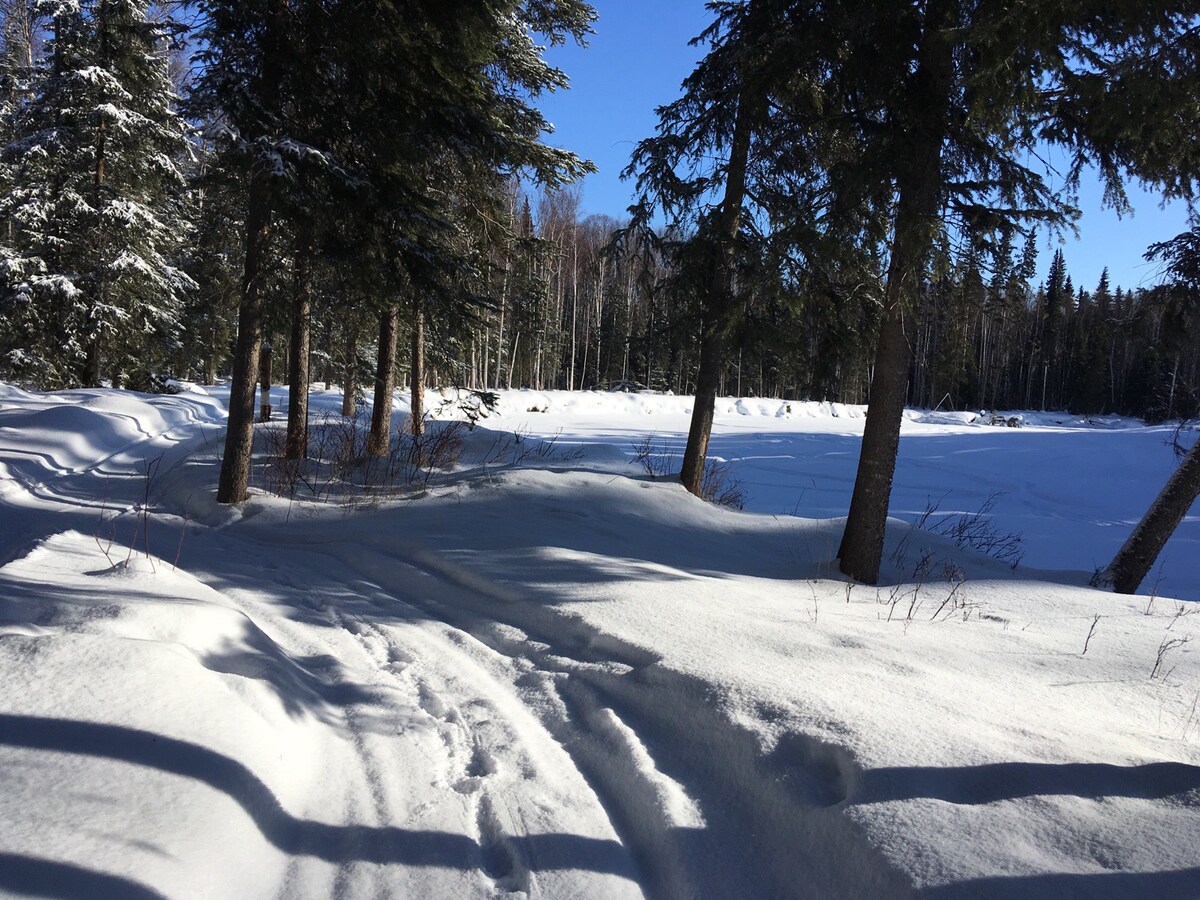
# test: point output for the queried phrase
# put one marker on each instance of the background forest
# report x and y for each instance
(123, 257)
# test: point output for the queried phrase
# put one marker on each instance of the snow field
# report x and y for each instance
(566, 678)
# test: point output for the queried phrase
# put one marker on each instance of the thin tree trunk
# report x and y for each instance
(861, 551)
(94, 362)
(417, 382)
(380, 438)
(1134, 561)
(350, 374)
(239, 437)
(264, 380)
(296, 446)
(512, 360)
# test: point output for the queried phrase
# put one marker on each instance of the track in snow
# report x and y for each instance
(520, 692)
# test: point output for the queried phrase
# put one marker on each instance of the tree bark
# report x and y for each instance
(94, 363)
(350, 375)
(417, 380)
(239, 437)
(264, 380)
(1134, 561)
(296, 446)
(380, 438)
(920, 186)
(719, 302)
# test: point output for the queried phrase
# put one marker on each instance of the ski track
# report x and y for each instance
(500, 675)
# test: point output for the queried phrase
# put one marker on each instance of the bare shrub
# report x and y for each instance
(1168, 644)
(337, 465)
(652, 457)
(975, 531)
(720, 487)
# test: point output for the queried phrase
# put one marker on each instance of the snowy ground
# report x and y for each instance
(549, 673)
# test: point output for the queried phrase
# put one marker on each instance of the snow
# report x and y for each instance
(550, 674)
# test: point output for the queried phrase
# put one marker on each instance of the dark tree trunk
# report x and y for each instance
(1133, 563)
(719, 305)
(920, 186)
(350, 375)
(708, 377)
(210, 369)
(385, 383)
(93, 364)
(296, 446)
(265, 358)
(239, 438)
(417, 382)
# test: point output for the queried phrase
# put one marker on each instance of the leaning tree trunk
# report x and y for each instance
(417, 381)
(920, 187)
(296, 446)
(708, 378)
(1131, 565)
(719, 303)
(239, 437)
(380, 438)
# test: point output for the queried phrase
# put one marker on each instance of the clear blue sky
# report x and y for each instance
(635, 63)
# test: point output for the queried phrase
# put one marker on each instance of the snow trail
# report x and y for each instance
(592, 694)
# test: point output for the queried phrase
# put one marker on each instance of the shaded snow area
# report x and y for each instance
(549, 671)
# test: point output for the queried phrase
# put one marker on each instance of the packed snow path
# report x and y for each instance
(545, 681)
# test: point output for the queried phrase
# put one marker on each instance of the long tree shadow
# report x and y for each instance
(1182, 884)
(30, 876)
(974, 785)
(300, 837)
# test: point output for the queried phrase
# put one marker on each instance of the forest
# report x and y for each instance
(535, 292)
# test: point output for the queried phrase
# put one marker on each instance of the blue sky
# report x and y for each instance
(636, 61)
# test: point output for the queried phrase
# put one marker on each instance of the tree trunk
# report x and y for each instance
(94, 363)
(1133, 563)
(239, 437)
(350, 375)
(920, 185)
(264, 378)
(707, 380)
(380, 438)
(417, 379)
(296, 446)
(719, 302)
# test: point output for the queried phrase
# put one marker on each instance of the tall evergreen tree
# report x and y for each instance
(964, 91)
(742, 149)
(95, 201)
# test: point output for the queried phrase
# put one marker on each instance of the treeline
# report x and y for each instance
(593, 312)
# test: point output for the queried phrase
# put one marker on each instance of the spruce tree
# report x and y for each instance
(90, 270)
(739, 148)
(965, 91)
